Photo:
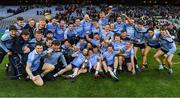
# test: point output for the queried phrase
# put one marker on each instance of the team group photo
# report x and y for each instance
(87, 48)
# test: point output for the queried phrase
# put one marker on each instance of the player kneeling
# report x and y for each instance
(127, 53)
(34, 67)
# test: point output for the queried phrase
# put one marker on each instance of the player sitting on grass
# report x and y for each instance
(93, 62)
(54, 58)
(117, 44)
(79, 59)
(108, 62)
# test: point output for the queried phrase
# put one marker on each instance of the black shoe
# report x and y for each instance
(146, 65)
(73, 79)
(115, 78)
(138, 69)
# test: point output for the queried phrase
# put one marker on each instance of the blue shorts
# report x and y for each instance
(74, 66)
(38, 71)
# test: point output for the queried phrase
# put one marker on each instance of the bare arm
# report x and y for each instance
(29, 71)
(128, 19)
